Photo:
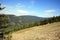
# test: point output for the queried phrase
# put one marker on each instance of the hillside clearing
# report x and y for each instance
(45, 32)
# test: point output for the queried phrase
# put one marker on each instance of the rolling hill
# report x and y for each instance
(24, 19)
(44, 32)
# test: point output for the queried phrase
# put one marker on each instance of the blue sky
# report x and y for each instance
(41, 8)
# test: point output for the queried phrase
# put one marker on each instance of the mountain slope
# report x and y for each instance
(29, 19)
(45, 32)
(24, 19)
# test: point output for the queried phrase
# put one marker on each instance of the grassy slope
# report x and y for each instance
(45, 32)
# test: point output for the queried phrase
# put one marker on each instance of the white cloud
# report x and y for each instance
(16, 12)
(19, 5)
(49, 11)
(22, 11)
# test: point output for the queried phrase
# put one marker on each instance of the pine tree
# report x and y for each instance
(1, 8)
(3, 20)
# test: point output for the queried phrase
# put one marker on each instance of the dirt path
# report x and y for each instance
(45, 32)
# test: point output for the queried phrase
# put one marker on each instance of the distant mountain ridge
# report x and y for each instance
(29, 19)
(24, 19)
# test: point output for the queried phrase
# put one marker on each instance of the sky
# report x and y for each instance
(41, 8)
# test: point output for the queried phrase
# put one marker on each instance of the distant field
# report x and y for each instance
(45, 32)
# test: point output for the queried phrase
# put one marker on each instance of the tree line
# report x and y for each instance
(11, 28)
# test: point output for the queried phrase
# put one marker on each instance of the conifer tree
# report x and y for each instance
(3, 20)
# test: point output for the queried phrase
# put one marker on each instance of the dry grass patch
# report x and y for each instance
(45, 32)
